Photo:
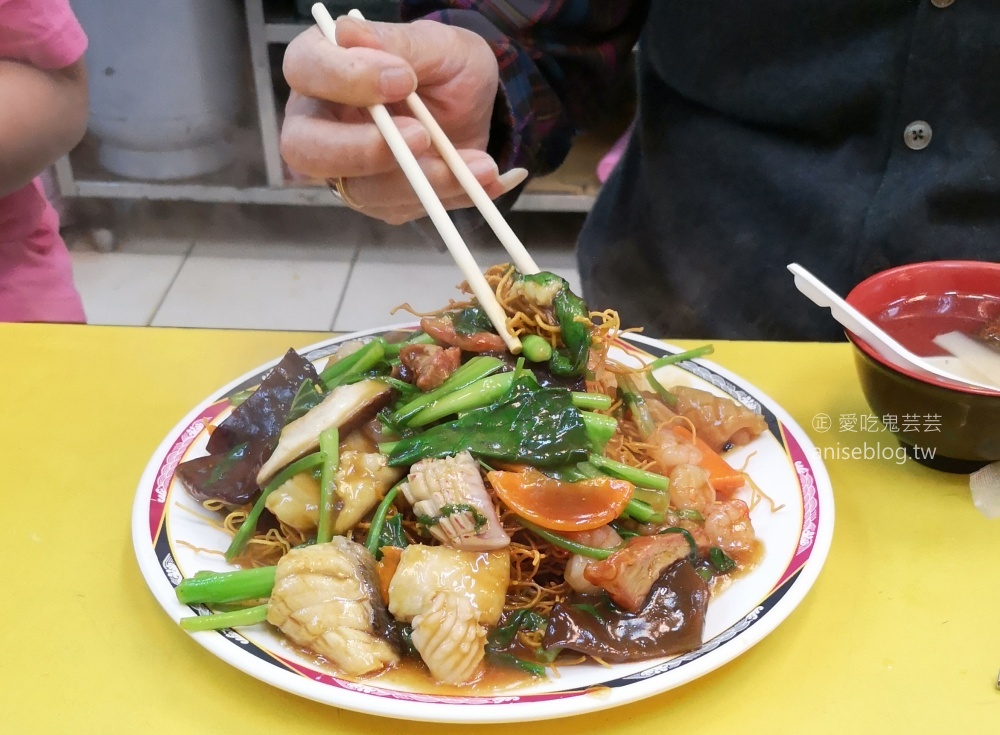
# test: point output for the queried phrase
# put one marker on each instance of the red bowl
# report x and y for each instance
(958, 428)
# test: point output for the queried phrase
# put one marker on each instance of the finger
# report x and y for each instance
(393, 189)
(402, 213)
(359, 77)
(322, 148)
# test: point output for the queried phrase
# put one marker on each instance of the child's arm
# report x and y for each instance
(43, 114)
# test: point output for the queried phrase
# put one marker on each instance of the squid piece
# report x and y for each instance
(326, 598)
(450, 493)
(344, 404)
(451, 597)
(449, 638)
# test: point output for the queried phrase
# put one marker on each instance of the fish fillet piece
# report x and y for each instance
(326, 599)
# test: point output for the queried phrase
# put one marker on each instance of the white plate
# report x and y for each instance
(166, 522)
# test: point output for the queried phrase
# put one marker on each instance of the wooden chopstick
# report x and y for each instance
(511, 242)
(435, 210)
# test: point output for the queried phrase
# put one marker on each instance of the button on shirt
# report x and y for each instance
(917, 135)
(768, 132)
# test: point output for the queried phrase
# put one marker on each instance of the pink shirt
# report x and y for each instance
(36, 278)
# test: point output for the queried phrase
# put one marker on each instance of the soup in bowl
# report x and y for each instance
(939, 423)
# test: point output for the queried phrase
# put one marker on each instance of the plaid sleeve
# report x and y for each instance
(558, 60)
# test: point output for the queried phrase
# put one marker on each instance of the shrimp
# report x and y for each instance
(728, 526)
(604, 537)
(669, 451)
(689, 488)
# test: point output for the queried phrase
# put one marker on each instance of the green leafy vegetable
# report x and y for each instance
(680, 357)
(720, 560)
(475, 395)
(666, 396)
(506, 659)
(591, 610)
(641, 511)
(306, 398)
(538, 426)
(637, 404)
(573, 318)
(472, 321)
(450, 510)
(591, 401)
(392, 534)
(503, 635)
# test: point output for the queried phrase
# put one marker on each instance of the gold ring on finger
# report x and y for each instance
(337, 189)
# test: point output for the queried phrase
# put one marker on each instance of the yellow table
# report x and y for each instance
(899, 634)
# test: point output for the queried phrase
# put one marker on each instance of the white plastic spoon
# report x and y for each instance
(821, 295)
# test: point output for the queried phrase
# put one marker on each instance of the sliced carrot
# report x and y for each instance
(562, 506)
(386, 568)
(721, 476)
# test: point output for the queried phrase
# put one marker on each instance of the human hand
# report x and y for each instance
(328, 133)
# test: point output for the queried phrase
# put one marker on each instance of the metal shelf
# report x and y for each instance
(274, 188)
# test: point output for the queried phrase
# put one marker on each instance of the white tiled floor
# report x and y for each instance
(284, 268)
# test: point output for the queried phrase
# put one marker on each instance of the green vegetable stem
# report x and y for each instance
(600, 428)
(230, 619)
(637, 404)
(354, 364)
(591, 401)
(666, 396)
(372, 541)
(222, 587)
(392, 349)
(476, 368)
(329, 447)
(638, 477)
(475, 395)
(680, 357)
(592, 552)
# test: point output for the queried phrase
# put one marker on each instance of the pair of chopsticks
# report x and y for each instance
(435, 210)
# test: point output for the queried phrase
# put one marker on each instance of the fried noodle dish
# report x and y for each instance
(427, 496)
